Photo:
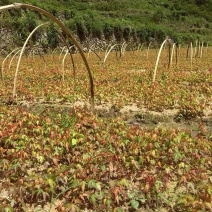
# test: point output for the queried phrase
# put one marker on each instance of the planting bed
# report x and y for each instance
(147, 146)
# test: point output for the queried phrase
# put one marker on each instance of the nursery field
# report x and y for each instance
(146, 147)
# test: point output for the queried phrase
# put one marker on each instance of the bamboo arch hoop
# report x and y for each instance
(158, 58)
(13, 58)
(2, 65)
(20, 56)
(62, 26)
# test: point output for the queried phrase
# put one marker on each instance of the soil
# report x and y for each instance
(131, 114)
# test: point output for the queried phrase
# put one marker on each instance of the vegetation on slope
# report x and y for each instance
(141, 20)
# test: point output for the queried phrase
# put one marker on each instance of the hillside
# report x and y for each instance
(142, 20)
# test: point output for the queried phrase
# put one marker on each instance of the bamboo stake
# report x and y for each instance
(179, 49)
(195, 50)
(191, 56)
(201, 52)
(199, 48)
(169, 52)
(207, 48)
(187, 53)
(176, 54)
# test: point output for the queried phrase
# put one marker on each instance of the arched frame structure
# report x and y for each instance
(62, 26)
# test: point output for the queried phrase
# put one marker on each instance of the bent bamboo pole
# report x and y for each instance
(63, 49)
(2, 65)
(172, 54)
(20, 56)
(187, 53)
(158, 58)
(63, 62)
(123, 48)
(69, 48)
(147, 53)
(91, 50)
(57, 48)
(108, 52)
(13, 58)
(62, 26)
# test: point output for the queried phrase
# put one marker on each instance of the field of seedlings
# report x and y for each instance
(146, 147)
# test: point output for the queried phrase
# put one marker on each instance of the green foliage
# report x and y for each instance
(52, 37)
(123, 19)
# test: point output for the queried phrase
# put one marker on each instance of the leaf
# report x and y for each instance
(41, 159)
(130, 195)
(75, 183)
(83, 183)
(55, 161)
(98, 186)
(152, 162)
(91, 183)
(124, 182)
(93, 199)
(153, 153)
(12, 203)
(108, 203)
(51, 183)
(182, 201)
(73, 141)
(8, 209)
(134, 204)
